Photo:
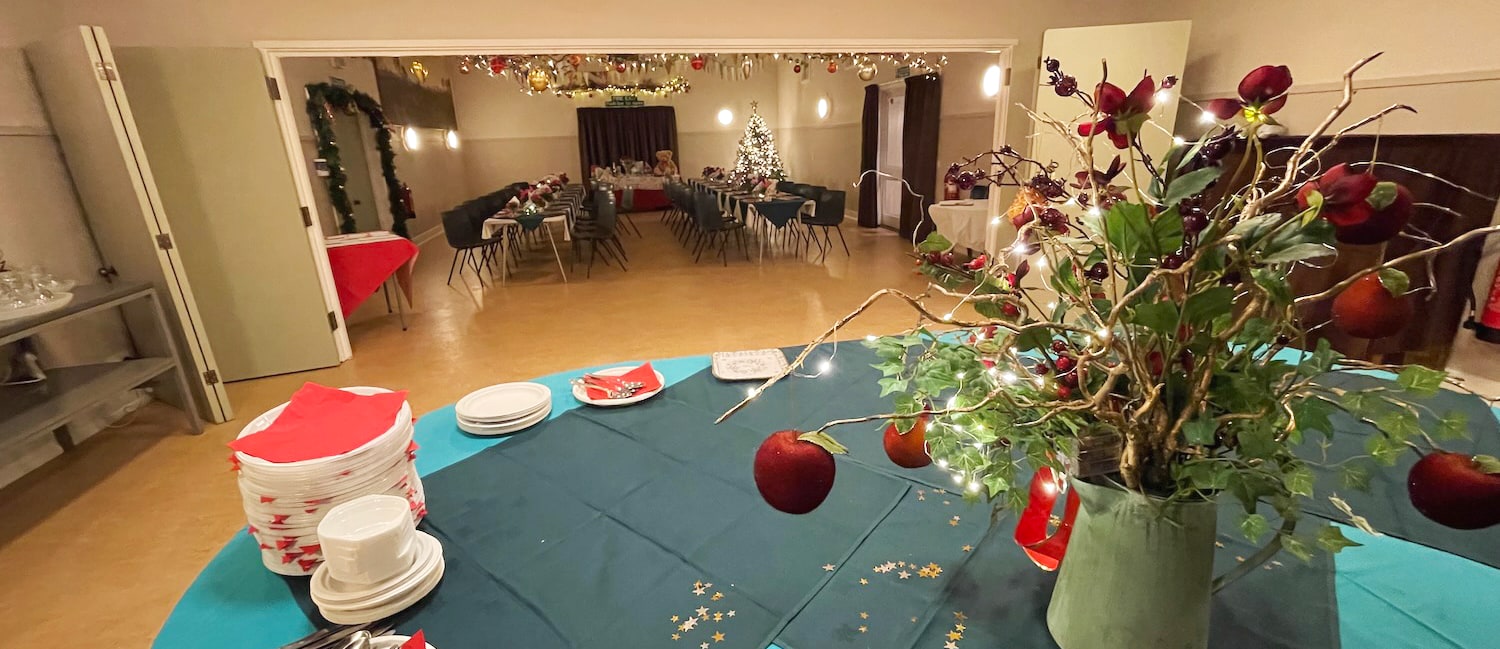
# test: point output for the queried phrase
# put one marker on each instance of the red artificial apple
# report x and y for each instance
(1370, 309)
(1384, 222)
(1455, 490)
(908, 451)
(793, 475)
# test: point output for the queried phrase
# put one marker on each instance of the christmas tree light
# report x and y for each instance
(757, 157)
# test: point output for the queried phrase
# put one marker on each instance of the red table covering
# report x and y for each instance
(646, 200)
(362, 262)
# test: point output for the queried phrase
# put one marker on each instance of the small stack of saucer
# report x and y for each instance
(504, 409)
(375, 562)
(323, 448)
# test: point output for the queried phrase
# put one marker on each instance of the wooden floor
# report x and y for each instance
(96, 547)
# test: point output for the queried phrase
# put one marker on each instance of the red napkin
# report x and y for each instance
(416, 641)
(322, 422)
(643, 374)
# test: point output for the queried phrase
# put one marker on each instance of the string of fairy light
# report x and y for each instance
(661, 75)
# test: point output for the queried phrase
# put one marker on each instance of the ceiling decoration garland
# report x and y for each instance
(588, 75)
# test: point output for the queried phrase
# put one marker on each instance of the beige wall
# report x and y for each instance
(510, 136)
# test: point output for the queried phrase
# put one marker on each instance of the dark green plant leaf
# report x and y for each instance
(934, 243)
(1320, 361)
(1207, 304)
(1354, 476)
(1299, 480)
(1252, 228)
(1421, 381)
(1127, 228)
(1254, 526)
(1157, 316)
(1200, 431)
(1298, 252)
(989, 309)
(1274, 284)
(1312, 414)
(1332, 539)
(1033, 339)
(1190, 184)
(1166, 231)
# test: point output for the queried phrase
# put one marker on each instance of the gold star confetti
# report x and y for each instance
(718, 617)
(676, 619)
(921, 497)
(901, 563)
(688, 625)
(954, 521)
(968, 548)
(947, 502)
(707, 585)
(903, 574)
(950, 645)
(702, 612)
(697, 584)
(959, 615)
(703, 645)
(921, 491)
(934, 569)
(717, 597)
(864, 616)
(960, 627)
(1218, 544)
(888, 566)
(731, 614)
(863, 628)
(719, 637)
(925, 573)
(942, 491)
(676, 636)
(914, 619)
(699, 590)
(828, 567)
(864, 582)
(955, 636)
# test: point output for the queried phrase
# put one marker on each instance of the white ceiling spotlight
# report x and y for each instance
(991, 82)
(451, 139)
(411, 138)
(823, 108)
(726, 116)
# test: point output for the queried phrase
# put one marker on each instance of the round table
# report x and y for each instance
(1389, 592)
(967, 224)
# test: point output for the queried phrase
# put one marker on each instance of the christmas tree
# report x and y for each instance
(757, 156)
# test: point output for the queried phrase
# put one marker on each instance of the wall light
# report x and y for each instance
(451, 139)
(991, 81)
(823, 108)
(411, 138)
(726, 116)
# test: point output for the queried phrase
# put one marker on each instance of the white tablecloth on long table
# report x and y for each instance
(967, 224)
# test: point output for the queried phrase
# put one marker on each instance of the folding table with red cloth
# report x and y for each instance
(364, 261)
(642, 200)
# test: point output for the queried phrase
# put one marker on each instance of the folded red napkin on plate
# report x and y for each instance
(643, 374)
(416, 641)
(321, 422)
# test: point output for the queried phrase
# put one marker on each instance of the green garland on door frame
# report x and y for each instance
(322, 100)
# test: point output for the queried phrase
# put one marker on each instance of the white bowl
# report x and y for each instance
(368, 539)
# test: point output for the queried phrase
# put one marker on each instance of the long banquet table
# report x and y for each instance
(592, 530)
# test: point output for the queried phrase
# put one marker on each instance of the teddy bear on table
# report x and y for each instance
(664, 164)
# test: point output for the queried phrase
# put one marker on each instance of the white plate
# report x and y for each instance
(754, 364)
(516, 426)
(391, 642)
(332, 594)
(498, 403)
(58, 301)
(382, 612)
(582, 394)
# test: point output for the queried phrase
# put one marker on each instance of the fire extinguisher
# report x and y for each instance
(407, 202)
(1487, 327)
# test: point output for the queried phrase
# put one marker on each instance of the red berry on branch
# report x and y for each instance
(1064, 392)
(1011, 310)
(1064, 363)
(1040, 369)
(1059, 346)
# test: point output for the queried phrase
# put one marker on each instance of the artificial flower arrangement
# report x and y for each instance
(1159, 361)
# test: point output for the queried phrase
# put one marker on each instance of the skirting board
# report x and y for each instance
(429, 235)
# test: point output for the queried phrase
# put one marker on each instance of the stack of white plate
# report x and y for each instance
(504, 409)
(285, 501)
(378, 564)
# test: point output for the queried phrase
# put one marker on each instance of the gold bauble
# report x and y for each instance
(537, 79)
(867, 73)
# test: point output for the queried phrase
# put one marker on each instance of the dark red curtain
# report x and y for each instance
(869, 148)
(605, 135)
(919, 141)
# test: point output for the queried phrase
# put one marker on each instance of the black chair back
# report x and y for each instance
(980, 192)
(461, 230)
(706, 211)
(830, 208)
(605, 210)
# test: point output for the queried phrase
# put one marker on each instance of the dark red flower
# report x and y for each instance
(1262, 92)
(1085, 179)
(1344, 195)
(1123, 114)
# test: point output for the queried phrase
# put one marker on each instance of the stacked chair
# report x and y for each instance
(600, 231)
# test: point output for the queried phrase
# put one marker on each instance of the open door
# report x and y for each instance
(888, 160)
(87, 108)
(1157, 48)
(230, 195)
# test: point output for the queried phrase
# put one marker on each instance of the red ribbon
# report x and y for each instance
(1046, 550)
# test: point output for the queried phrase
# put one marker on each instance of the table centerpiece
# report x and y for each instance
(1139, 351)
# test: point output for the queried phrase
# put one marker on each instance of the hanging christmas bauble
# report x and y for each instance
(833, 66)
(463, 65)
(537, 79)
(497, 65)
(698, 63)
(867, 72)
(797, 68)
(574, 60)
(620, 67)
(418, 71)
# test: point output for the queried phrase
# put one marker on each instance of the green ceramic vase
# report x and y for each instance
(1138, 573)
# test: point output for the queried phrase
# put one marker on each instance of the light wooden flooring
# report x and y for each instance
(96, 547)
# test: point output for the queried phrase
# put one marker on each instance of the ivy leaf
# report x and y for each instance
(1190, 184)
(1275, 286)
(1312, 414)
(1208, 304)
(1254, 526)
(1298, 252)
(1332, 539)
(1354, 476)
(1454, 425)
(1394, 281)
(1487, 463)
(1399, 424)
(1033, 339)
(1299, 480)
(1320, 361)
(1296, 547)
(1200, 431)
(1384, 450)
(1421, 381)
(1157, 316)
(892, 384)
(1354, 519)
(822, 439)
(934, 243)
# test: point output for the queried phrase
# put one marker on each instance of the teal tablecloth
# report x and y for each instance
(1390, 593)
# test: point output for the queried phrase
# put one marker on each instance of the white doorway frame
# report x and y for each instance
(888, 93)
(272, 52)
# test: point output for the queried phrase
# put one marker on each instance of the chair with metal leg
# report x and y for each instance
(714, 225)
(600, 232)
(468, 242)
(828, 214)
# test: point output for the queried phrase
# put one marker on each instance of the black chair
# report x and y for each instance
(714, 224)
(828, 214)
(980, 192)
(465, 236)
(599, 231)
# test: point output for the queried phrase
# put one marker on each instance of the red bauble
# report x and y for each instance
(793, 476)
(698, 63)
(797, 68)
(1366, 309)
(1453, 490)
(908, 451)
(497, 65)
(620, 67)
(833, 67)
